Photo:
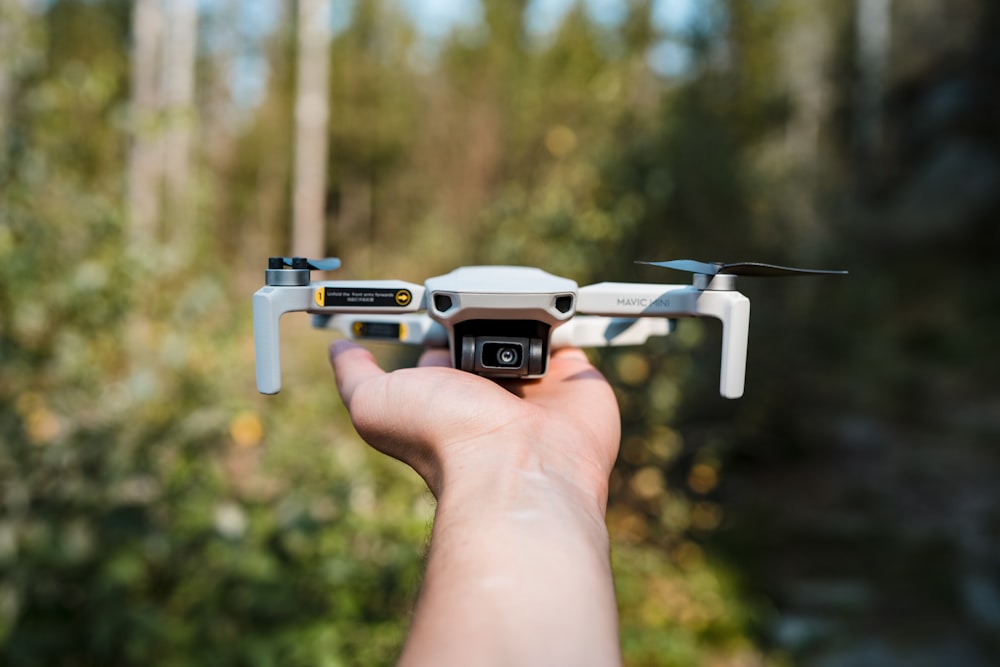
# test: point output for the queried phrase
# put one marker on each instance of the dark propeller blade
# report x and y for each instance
(327, 264)
(741, 268)
(759, 269)
(689, 265)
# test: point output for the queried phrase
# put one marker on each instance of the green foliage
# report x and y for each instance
(156, 510)
(687, 601)
(149, 517)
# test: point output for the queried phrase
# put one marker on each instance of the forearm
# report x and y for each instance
(519, 570)
(518, 573)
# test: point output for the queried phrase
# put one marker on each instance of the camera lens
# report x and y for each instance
(505, 355)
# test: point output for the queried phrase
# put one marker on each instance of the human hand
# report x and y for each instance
(518, 570)
(454, 427)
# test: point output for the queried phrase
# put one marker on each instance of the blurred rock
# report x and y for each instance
(843, 595)
(942, 199)
(799, 632)
(884, 654)
(981, 599)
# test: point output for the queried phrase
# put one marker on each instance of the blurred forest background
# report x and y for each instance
(157, 511)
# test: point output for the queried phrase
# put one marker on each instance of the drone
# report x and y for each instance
(504, 321)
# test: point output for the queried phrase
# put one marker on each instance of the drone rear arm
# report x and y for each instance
(408, 329)
(598, 331)
(671, 301)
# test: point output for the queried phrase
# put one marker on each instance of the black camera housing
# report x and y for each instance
(496, 348)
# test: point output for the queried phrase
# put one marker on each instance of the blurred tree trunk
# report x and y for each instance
(312, 112)
(873, 21)
(145, 157)
(177, 80)
(13, 40)
(164, 42)
(809, 51)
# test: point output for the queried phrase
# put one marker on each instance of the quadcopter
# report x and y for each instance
(503, 321)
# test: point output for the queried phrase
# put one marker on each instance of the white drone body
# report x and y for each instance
(503, 321)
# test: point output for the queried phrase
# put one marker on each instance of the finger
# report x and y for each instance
(516, 386)
(568, 362)
(570, 354)
(435, 356)
(563, 362)
(572, 383)
(352, 366)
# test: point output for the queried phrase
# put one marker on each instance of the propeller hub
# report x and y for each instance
(286, 277)
(277, 275)
(298, 272)
(721, 282)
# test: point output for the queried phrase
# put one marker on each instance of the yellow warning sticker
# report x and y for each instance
(365, 297)
(378, 330)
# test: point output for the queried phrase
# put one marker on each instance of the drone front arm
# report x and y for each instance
(733, 310)
(672, 301)
(638, 300)
(269, 304)
(328, 297)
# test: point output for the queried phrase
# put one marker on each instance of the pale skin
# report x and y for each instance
(518, 571)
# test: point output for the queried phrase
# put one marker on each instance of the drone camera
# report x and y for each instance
(502, 349)
(503, 356)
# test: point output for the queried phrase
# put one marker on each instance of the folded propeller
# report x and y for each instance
(326, 264)
(740, 268)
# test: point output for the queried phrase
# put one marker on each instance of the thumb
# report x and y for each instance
(352, 366)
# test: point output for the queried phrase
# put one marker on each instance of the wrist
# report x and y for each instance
(521, 534)
(513, 477)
